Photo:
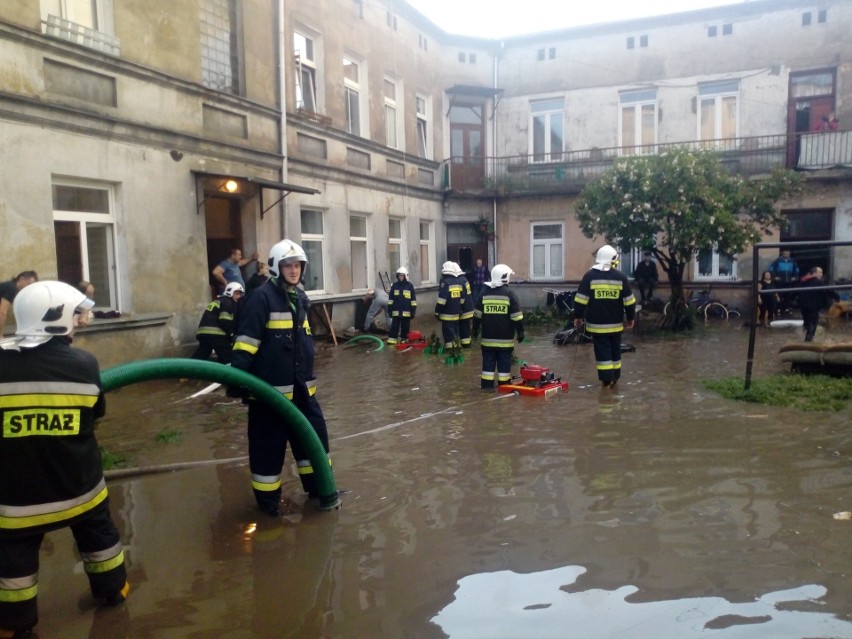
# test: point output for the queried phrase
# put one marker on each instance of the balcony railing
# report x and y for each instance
(569, 171)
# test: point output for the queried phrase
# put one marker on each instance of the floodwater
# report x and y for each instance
(656, 511)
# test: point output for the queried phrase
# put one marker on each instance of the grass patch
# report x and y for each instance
(804, 392)
(168, 436)
(110, 460)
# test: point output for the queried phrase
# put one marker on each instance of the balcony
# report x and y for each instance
(566, 173)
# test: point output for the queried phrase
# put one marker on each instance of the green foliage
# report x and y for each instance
(540, 317)
(168, 436)
(110, 460)
(804, 392)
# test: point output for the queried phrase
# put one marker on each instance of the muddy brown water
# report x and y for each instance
(658, 511)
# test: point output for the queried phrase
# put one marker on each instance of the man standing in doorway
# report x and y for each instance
(228, 270)
(785, 274)
(645, 274)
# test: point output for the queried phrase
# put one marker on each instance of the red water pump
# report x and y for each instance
(535, 381)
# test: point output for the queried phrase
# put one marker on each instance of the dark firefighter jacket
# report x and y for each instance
(218, 317)
(498, 315)
(452, 299)
(603, 299)
(402, 302)
(273, 338)
(50, 464)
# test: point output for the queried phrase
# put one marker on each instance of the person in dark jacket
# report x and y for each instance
(785, 274)
(646, 276)
(452, 303)
(273, 342)
(402, 304)
(812, 302)
(50, 464)
(8, 291)
(216, 327)
(499, 318)
(603, 301)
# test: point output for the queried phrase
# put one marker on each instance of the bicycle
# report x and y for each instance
(703, 305)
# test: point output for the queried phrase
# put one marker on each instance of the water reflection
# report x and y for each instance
(506, 605)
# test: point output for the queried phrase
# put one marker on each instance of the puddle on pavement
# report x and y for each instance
(659, 510)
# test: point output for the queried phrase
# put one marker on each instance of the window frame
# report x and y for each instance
(547, 244)
(427, 244)
(538, 110)
(424, 141)
(637, 101)
(93, 219)
(399, 242)
(715, 263)
(719, 92)
(393, 137)
(307, 66)
(361, 240)
(213, 58)
(351, 88)
(316, 238)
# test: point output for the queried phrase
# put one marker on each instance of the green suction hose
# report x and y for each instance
(152, 369)
(370, 338)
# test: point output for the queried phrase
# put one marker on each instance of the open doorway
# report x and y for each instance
(813, 225)
(222, 218)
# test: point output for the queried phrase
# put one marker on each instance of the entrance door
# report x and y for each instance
(224, 232)
(467, 133)
(811, 97)
(814, 225)
(465, 244)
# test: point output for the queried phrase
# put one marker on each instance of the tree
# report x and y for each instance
(680, 202)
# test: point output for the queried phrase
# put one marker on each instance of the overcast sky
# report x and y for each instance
(500, 18)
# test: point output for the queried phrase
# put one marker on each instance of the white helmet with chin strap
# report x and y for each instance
(286, 251)
(402, 271)
(232, 288)
(44, 310)
(499, 275)
(605, 258)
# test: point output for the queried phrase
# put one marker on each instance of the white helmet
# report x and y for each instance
(232, 288)
(448, 268)
(500, 275)
(605, 258)
(288, 252)
(46, 309)
(458, 268)
(402, 271)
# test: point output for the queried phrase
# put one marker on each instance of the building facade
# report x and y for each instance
(144, 140)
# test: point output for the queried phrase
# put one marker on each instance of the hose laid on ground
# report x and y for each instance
(152, 369)
(372, 338)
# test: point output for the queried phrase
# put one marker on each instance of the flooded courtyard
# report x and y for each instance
(659, 510)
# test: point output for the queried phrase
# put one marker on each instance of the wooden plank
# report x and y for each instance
(328, 323)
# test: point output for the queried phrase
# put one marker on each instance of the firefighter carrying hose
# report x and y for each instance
(50, 464)
(216, 328)
(274, 343)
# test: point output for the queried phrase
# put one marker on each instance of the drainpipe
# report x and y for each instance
(494, 144)
(282, 99)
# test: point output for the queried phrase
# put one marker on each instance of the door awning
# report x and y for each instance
(236, 186)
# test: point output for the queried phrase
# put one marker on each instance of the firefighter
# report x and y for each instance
(402, 303)
(606, 304)
(216, 328)
(273, 341)
(451, 302)
(499, 318)
(468, 304)
(50, 464)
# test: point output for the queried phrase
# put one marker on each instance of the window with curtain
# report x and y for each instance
(546, 251)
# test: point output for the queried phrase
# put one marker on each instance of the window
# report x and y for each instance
(643, 41)
(638, 125)
(631, 42)
(427, 253)
(396, 245)
(546, 251)
(85, 22)
(806, 18)
(424, 146)
(471, 58)
(711, 31)
(710, 265)
(462, 56)
(822, 15)
(359, 252)
(540, 55)
(391, 123)
(220, 57)
(84, 228)
(306, 73)
(717, 117)
(546, 129)
(727, 29)
(313, 243)
(551, 53)
(352, 92)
